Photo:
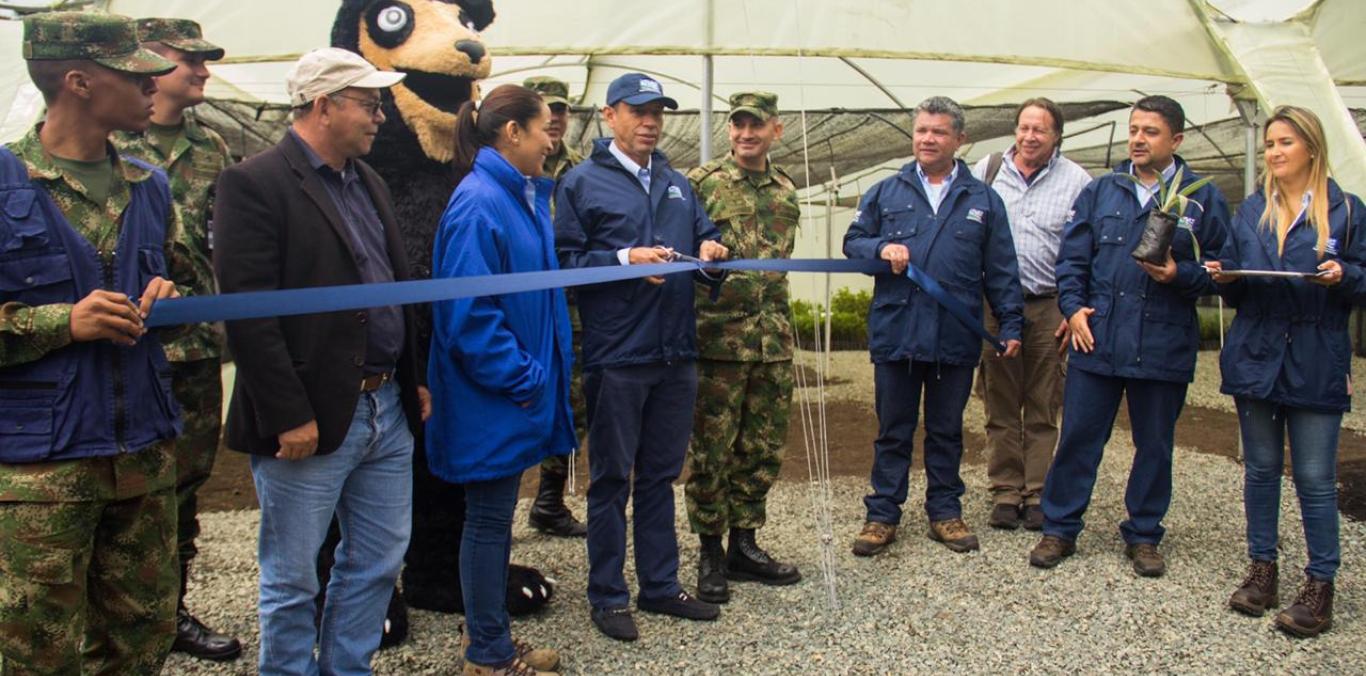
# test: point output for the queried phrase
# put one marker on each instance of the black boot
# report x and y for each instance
(549, 513)
(195, 639)
(711, 571)
(747, 562)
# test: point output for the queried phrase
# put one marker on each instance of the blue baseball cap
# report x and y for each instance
(638, 89)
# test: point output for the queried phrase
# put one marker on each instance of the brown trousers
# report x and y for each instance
(1023, 399)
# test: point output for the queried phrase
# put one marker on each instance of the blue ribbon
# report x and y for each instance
(319, 299)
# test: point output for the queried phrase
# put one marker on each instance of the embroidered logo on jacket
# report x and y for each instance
(975, 215)
(675, 193)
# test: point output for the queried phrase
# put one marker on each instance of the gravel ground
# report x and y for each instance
(916, 608)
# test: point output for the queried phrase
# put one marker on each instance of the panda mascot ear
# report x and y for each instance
(480, 12)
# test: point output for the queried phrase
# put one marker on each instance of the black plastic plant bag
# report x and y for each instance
(1156, 239)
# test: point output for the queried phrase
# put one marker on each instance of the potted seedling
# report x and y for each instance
(1169, 206)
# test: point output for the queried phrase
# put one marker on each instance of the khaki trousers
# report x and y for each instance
(1023, 399)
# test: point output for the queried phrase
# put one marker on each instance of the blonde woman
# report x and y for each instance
(1287, 360)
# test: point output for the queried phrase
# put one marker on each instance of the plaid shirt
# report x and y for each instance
(1038, 210)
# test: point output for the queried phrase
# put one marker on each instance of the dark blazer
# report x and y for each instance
(276, 227)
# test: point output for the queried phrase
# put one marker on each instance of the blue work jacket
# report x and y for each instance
(1142, 328)
(1289, 342)
(967, 247)
(601, 208)
(87, 399)
(499, 365)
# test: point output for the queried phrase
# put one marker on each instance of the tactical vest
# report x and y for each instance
(87, 399)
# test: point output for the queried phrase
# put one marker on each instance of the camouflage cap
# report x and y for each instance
(107, 39)
(552, 91)
(181, 34)
(763, 105)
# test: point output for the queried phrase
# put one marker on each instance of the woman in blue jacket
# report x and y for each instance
(1287, 359)
(499, 366)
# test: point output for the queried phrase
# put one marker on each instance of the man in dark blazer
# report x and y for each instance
(322, 402)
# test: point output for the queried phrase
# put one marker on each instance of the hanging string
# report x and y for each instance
(815, 432)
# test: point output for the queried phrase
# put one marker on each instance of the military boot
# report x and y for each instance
(747, 562)
(195, 639)
(1312, 612)
(549, 513)
(1259, 591)
(711, 571)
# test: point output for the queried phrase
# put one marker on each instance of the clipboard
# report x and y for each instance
(1282, 274)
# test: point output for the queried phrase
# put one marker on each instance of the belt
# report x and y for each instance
(372, 383)
(1041, 296)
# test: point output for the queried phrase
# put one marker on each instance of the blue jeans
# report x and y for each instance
(898, 386)
(1090, 402)
(485, 549)
(639, 424)
(1313, 462)
(368, 483)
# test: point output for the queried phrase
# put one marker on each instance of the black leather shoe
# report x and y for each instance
(549, 514)
(1004, 517)
(683, 605)
(1033, 517)
(196, 640)
(747, 562)
(616, 623)
(711, 571)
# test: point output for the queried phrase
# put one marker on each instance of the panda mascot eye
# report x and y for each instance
(389, 22)
(392, 19)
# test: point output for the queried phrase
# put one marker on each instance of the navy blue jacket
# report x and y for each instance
(1142, 328)
(601, 208)
(88, 399)
(966, 247)
(1289, 342)
(499, 365)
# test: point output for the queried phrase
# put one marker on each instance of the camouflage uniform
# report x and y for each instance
(744, 344)
(87, 571)
(556, 91)
(192, 167)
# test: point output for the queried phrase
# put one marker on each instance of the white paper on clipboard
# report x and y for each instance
(1270, 273)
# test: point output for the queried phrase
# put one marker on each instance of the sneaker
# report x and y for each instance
(1148, 562)
(683, 605)
(874, 538)
(1004, 517)
(616, 623)
(954, 534)
(1259, 590)
(1050, 551)
(1312, 612)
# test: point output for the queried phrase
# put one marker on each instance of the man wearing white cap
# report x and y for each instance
(322, 402)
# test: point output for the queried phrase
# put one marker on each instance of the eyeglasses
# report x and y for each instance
(370, 106)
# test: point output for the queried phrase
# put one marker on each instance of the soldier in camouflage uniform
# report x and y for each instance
(192, 157)
(549, 513)
(87, 465)
(744, 342)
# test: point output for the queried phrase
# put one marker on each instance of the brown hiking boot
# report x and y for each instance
(1033, 517)
(874, 538)
(1312, 612)
(538, 659)
(515, 667)
(1050, 551)
(1148, 562)
(1260, 589)
(954, 534)
(1004, 517)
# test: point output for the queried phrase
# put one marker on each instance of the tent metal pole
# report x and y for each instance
(704, 123)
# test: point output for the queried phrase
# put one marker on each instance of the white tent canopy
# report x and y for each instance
(876, 54)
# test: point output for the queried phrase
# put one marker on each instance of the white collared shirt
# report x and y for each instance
(642, 175)
(1147, 192)
(935, 193)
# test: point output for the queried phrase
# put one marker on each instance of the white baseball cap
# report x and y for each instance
(330, 70)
